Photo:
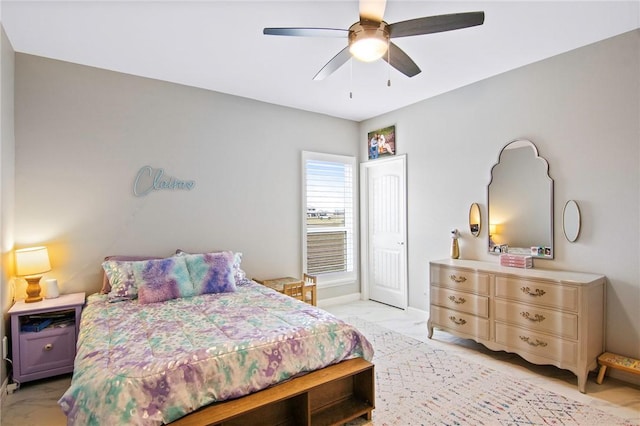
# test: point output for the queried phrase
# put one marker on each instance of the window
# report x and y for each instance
(329, 210)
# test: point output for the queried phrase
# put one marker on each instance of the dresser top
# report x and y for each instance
(546, 274)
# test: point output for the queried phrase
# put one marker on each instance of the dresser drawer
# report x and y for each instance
(537, 319)
(460, 279)
(460, 301)
(538, 292)
(552, 348)
(460, 322)
(48, 349)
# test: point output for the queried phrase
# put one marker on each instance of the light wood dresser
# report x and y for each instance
(545, 316)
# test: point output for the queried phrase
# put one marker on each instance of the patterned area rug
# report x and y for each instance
(417, 384)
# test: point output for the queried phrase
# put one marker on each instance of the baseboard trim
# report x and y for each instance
(633, 379)
(340, 300)
(418, 313)
(3, 390)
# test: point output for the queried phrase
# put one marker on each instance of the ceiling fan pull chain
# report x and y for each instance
(388, 65)
(351, 78)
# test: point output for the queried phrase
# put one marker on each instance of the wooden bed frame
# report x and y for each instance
(331, 396)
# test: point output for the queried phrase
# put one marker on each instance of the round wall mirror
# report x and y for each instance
(475, 223)
(571, 221)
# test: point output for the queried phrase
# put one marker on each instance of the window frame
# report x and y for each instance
(334, 278)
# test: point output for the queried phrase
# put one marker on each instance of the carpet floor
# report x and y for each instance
(417, 384)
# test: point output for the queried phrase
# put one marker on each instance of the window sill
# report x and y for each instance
(335, 282)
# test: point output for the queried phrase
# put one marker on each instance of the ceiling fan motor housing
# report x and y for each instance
(369, 40)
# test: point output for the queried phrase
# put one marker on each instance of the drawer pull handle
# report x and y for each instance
(457, 301)
(535, 318)
(48, 347)
(457, 321)
(457, 279)
(537, 293)
(536, 343)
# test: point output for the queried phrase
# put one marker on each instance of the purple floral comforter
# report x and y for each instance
(152, 364)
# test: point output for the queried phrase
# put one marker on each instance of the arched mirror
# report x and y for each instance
(475, 223)
(571, 221)
(520, 202)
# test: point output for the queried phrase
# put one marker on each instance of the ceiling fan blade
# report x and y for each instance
(435, 24)
(307, 32)
(372, 10)
(401, 61)
(336, 62)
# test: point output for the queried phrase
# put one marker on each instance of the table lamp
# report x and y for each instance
(31, 263)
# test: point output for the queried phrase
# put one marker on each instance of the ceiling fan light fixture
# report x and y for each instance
(368, 49)
(368, 41)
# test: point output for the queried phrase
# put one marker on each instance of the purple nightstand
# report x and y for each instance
(51, 351)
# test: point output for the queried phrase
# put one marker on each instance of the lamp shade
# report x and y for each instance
(32, 261)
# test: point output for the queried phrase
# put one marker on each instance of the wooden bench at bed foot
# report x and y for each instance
(624, 363)
(333, 395)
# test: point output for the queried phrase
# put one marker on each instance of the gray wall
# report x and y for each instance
(7, 182)
(83, 133)
(582, 111)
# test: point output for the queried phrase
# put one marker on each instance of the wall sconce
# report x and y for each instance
(31, 263)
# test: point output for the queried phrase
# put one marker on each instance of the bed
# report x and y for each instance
(269, 357)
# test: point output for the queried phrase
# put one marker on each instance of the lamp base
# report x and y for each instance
(33, 289)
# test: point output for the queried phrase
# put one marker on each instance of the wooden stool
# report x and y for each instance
(624, 363)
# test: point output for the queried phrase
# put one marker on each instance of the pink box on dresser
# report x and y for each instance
(516, 261)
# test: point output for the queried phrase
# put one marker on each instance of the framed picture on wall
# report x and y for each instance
(381, 142)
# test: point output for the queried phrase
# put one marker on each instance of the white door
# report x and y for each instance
(384, 231)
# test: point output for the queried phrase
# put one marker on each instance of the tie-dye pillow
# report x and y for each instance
(212, 272)
(162, 279)
(238, 273)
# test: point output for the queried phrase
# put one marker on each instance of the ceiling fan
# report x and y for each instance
(370, 38)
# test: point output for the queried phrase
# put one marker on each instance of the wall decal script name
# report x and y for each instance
(149, 179)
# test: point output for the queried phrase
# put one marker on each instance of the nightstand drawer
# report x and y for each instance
(48, 349)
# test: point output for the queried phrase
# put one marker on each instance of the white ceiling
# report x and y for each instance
(219, 45)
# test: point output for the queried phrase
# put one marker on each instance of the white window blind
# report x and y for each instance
(329, 216)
